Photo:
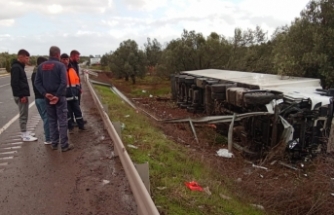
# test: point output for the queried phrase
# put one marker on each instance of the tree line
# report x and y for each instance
(303, 48)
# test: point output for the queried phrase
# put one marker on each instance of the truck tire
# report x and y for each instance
(258, 98)
(218, 96)
(189, 80)
(208, 101)
(173, 85)
(221, 88)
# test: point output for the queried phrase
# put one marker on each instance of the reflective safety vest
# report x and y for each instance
(73, 85)
(72, 78)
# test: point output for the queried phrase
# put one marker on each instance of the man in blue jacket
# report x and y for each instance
(41, 103)
(51, 82)
(21, 92)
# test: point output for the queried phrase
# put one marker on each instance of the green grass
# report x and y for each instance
(171, 166)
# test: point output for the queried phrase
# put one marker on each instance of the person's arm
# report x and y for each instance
(39, 82)
(15, 81)
(63, 81)
(33, 77)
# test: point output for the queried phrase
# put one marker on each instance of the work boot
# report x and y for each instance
(69, 147)
(53, 147)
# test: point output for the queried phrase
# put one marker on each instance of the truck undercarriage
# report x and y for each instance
(300, 114)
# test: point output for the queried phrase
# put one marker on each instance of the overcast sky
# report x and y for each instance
(98, 26)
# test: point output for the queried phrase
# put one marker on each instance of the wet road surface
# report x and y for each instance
(36, 180)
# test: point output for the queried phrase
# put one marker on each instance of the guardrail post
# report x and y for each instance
(143, 171)
(118, 128)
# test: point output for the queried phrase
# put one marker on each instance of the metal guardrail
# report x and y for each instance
(145, 204)
(90, 72)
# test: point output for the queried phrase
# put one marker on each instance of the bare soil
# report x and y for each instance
(101, 186)
(279, 189)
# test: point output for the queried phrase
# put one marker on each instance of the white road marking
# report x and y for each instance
(11, 148)
(8, 153)
(3, 164)
(4, 85)
(15, 143)
(6, 158)
(4, 76)
(13, 119)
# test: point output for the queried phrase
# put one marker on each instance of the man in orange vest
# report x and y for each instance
(72, 95)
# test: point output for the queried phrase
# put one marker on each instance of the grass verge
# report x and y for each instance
(171, 165)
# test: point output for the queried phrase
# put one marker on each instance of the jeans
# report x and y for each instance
(57, 115)
(41, 107)
(24, 109)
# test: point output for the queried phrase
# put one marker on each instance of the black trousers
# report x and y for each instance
(71, 113)
(74, 109)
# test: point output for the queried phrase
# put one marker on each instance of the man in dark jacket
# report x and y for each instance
(21, 92)
(74, 63)
(41, 103)
(51, 82)
(72, 94)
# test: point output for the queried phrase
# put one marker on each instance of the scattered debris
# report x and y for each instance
(193, 185)
(259, 167)
(127, 116)
(132, 146)
(332, 194)
(258, 206)
(161, 188)
(207, 190)
(224, 153)
(273, 162)
(104, 182)
(288, 166)
(224, 196)
(239, 180)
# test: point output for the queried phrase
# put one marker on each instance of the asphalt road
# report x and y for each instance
(36, 180)
(8, 108)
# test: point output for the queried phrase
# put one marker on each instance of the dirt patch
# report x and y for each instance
(101, 185)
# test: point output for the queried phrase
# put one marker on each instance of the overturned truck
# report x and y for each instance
(299, 111)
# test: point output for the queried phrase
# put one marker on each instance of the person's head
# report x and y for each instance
(41, 60)
(65, 59)
(54, 52)
(75, 56)
(23, 56)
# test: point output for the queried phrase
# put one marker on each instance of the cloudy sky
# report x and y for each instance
(98, 26)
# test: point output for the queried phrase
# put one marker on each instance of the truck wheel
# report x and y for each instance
(258, 98)
(208, 102)
(221, 88)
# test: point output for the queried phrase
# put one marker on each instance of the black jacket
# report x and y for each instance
(18, 81)
(38, 95)
(75, 66)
